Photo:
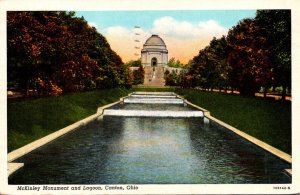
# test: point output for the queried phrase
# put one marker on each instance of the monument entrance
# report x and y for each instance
(154, 61)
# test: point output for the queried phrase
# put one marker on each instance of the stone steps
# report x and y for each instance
(153, 101)
(152, 96)
(154, 78)
(153, 113)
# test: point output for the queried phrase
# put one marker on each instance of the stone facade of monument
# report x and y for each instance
(154, 52)
(154, 59)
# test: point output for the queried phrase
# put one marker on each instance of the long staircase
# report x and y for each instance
(154, 76)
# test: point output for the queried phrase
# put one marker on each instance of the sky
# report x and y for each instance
(185, 32)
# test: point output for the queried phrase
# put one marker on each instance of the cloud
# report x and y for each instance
(170, 27)
(93, 24)
(118, 30)
(183, 39)
(212, 27)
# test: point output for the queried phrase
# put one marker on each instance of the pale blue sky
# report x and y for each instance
(128, 19)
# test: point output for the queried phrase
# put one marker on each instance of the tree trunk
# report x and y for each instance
(283, 92)
(27, 89)
(265, 92)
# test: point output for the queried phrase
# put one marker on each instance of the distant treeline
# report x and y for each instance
(254, 56)
(55, 52)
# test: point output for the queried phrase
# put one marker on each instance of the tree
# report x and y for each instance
(139, 76)
(175, 63)
(171, 78)
(276, 24)
(248, 57)
(55, 52)
(186, 80)
(255, 54)
(197, 70)
(218, 57)
(209, 68)
(135, 63)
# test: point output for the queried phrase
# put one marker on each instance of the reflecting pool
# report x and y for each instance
(139, 150)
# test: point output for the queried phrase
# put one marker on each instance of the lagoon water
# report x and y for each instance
(149, 150)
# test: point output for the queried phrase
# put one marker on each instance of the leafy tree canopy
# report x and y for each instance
(55, 52)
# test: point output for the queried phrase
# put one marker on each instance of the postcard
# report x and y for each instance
(149, 97)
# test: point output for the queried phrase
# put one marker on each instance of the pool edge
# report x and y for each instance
(282, 155)
(51, 137)
(15, 154)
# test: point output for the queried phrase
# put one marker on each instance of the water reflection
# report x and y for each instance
(150, 150)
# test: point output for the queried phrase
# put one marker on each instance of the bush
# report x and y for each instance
(138, 76)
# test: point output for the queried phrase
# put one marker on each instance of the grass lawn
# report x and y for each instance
(32, 119)
(265, 119)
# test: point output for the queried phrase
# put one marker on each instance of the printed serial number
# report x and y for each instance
(281, 188)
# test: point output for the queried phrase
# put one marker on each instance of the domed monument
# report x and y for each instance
(154, 52)
(154, 57)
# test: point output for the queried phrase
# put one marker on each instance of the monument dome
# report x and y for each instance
(154, 52)
(155, 40)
